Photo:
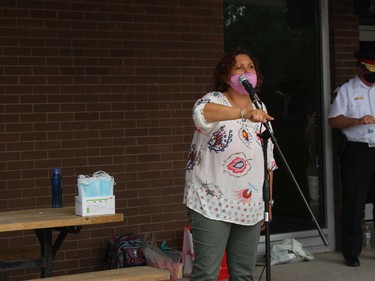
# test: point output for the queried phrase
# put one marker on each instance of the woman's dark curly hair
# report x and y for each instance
(224, 66)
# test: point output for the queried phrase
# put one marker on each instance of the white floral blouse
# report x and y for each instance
(225, 167)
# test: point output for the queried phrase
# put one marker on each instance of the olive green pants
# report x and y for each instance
(211, 238)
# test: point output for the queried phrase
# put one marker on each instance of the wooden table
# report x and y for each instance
(43, 221)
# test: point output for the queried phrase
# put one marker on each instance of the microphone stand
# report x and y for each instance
(267, 133)
(266, 198)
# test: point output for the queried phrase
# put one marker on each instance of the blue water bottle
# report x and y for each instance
(57, 201)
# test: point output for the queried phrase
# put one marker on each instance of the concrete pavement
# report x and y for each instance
(325, 267)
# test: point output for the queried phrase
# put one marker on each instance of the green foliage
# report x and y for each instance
(286, 51)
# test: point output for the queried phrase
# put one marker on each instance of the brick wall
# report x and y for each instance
(102, 85)
(344, 41)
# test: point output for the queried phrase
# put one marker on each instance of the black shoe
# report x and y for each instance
(352, 261)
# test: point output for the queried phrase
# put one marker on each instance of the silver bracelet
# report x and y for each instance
(242, 111)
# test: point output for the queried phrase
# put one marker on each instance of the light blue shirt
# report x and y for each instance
(355, 100)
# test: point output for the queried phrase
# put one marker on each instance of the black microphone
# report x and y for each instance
(254, 97)
(249, 88)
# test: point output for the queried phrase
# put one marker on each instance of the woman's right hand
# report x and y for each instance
(258, 115)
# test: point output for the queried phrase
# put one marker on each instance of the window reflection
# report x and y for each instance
(284, 37)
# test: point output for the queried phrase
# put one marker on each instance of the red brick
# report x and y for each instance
(108, 86)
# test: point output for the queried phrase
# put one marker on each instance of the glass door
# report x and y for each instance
(284, 36)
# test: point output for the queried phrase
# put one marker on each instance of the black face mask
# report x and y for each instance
(369, 77)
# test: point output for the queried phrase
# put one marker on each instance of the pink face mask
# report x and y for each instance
(235, 84)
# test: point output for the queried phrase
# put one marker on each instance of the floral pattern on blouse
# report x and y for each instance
(225, 167)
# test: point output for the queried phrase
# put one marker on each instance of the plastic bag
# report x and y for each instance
(187, 251)
(188, 256)
(156, 257)
(289, 251)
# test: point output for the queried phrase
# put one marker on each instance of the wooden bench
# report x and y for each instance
(19, 252)
(14, 254)
(137, 273)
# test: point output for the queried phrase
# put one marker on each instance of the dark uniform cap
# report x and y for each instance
(367, 58)
(368, 54)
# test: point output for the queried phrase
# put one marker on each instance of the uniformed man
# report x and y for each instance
(353, 112)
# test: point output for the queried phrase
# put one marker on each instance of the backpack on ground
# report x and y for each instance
(125, 250)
